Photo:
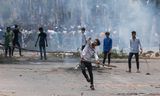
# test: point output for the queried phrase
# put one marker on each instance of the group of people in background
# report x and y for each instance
(89, 50)
(11, 41)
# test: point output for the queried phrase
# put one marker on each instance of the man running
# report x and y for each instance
(86, 56)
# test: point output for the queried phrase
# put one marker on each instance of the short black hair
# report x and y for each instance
(83, 29)
(133, 32)
(98, 42)
(107, 33)
(8, 27)
(16, 26)
(40, 29)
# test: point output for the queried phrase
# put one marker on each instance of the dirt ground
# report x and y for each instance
(30, 76)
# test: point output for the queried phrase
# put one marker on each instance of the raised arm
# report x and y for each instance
(89, 41)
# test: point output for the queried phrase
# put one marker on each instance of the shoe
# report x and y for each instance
(88, 80)
(92, 87)
(138, 71)
(129, 71)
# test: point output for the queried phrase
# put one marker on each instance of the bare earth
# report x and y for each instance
(33, 77)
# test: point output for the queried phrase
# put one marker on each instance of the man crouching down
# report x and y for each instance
(86, 56)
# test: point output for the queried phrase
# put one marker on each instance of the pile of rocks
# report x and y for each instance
(151, 54)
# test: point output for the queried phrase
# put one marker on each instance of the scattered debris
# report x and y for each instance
(20, 75)
(129, 94)
(155, 86)
(148, 74)
(157, 54)
(153, 94)
(82, 93)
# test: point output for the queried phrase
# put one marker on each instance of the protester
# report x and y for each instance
(42, 38)
(86, 56)
(107, 48)
(16, 40)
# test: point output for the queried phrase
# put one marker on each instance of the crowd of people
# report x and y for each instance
(89, 50)
(11, 41)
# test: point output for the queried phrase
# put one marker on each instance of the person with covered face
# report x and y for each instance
(87, 53)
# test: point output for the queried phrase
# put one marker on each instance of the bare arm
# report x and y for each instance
(96, 58)
(37, 41)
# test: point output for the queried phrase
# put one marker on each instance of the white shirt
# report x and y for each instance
(88, 52)
(135, 45)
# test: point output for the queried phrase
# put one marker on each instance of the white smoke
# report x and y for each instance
(120, 17)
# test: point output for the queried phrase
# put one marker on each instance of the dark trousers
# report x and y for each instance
(87, 65)
(136, 57)
(106, 54)
(83, 46)
(42, 51)
(8, 48)
(16, 43)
